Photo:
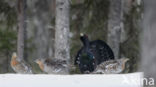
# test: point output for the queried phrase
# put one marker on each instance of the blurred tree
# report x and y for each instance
(129, 45)
(62, 30)
(41, 28)
(148, 42)
(21, 12)
(114, 26)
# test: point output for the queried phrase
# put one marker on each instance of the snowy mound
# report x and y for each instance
(44, 80)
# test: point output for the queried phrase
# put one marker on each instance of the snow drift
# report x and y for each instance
(46, 80)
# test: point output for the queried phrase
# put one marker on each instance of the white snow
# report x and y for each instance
(46, 80)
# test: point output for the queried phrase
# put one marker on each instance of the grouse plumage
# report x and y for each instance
(92, 53)
(20, 66)
(111, 66)
(52, 66)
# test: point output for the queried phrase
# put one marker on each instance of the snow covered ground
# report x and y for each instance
(45, 80)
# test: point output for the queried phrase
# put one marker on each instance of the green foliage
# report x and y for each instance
(9, 12)
(7, 34)
(7, 39)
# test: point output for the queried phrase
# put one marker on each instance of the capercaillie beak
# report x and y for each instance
(81, 34)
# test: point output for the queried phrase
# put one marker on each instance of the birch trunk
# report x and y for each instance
(21, 27)
(114, 26)
(62, 30)
(148, 43)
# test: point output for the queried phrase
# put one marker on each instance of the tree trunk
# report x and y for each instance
(21, 11)
(62, 30)
(114, 25)
(148, 43)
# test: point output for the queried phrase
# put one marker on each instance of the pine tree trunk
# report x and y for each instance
(114, 26)
(21, 8)
(148, 43)
(62, 30)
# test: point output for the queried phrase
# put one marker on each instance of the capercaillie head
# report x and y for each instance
(14, 56)
(123, 62)
(84, 38)
(40, 62)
